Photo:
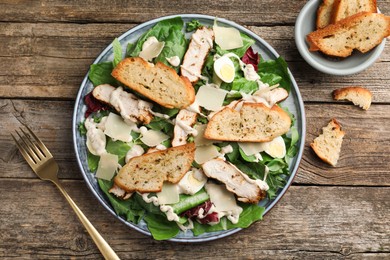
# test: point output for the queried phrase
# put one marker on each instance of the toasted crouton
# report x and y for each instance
(362, 31)
(345, 8)
(146, 173)
(324, 13)
(327, 146)
(359, 96)
(159, 82)
(255, 122)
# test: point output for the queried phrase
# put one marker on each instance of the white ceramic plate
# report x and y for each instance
(294, 104)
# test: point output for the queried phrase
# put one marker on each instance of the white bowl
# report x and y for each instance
(355, 63)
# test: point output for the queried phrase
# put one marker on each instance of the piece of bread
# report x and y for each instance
(359, 96)
(345, 8)
(159, 82)
(324, 14)
(327, 146)
(362, 31)
(255, 122)
(146, 173)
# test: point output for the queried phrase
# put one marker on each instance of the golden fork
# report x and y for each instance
(43, 164)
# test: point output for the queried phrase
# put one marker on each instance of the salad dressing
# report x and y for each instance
(174, 60)
(96, 139)
(136, 150)
(168, 210)
(195, 74)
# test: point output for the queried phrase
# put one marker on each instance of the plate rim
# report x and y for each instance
(300, 112)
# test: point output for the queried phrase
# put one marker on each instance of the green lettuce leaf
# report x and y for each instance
(93, 161)
(160, 227)
(244, 85)
(276, 67)
(161, 124)
(117, 49)
(175, 45)
(129, 209)
(119, 148)
(161, 31)
(100, 73)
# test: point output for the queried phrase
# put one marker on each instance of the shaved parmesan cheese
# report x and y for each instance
(227, 37)
(251, 148)
(199, 139)
(153, 138)
(107, 166)
(151, 48)
(117, 129)
(205, 153)
(169, 194)
(210, 97)
(222, 199)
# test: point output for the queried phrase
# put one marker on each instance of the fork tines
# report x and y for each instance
(31, 146)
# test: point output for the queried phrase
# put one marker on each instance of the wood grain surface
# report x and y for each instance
(46, 48)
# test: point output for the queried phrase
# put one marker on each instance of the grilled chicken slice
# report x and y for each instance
(183, 127)
(274, 96)
(119, 192)
(246, 189)
(199, 47)
(131, 108)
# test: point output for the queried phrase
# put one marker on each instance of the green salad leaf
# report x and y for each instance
(160, 227)
(117, 49)
(129, 209)
(193, 25)
(270, 69)
(244, 85)
(168, 31)
(175, 45)
(100, 73)
(93, 161)
(119, 148)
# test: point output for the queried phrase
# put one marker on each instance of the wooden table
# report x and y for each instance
(46, 48)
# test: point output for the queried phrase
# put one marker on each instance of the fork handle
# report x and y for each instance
(103, 246)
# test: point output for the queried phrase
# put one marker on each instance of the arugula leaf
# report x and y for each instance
(117, 49)
(278, 67)
(129, 209)
(193, 25)
(100, 73)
